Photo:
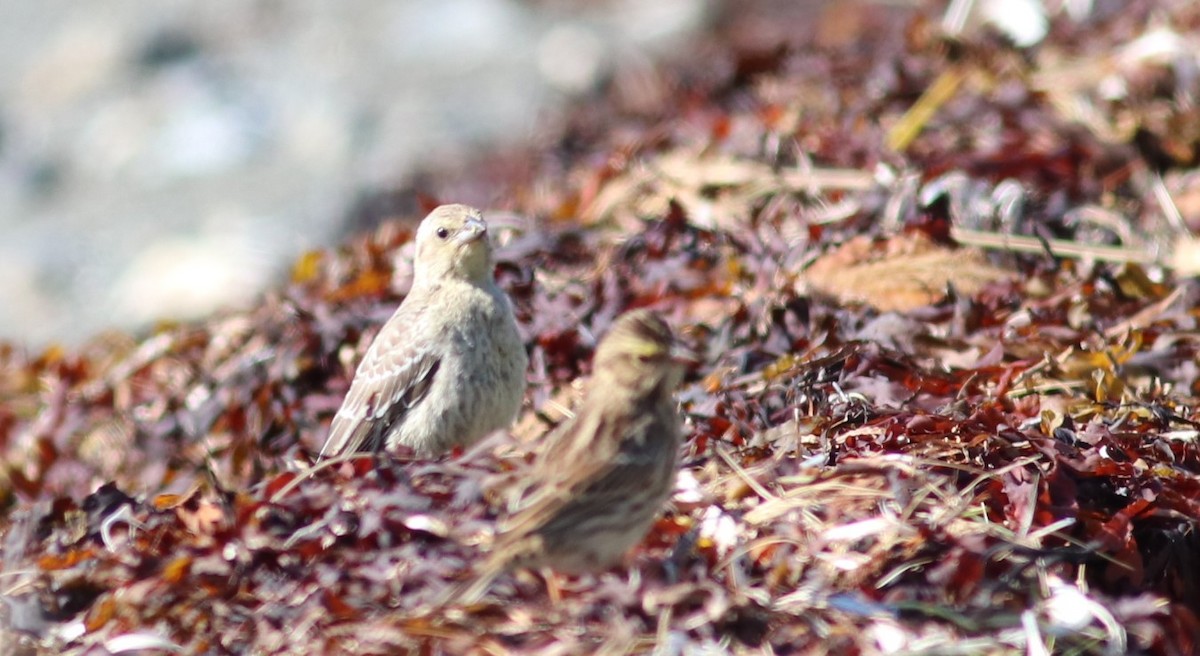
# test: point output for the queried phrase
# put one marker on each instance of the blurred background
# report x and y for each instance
(162, 160)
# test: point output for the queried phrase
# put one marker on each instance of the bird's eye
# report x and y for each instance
(442, 233)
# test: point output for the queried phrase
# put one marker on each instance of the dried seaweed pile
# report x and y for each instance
(948, 398)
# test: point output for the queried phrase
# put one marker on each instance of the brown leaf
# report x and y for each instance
(899, 274)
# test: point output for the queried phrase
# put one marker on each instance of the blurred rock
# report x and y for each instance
(132, 130)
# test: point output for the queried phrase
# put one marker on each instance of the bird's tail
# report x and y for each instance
(471, 589)
(468, 591)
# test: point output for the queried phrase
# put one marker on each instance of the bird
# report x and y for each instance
(449, 366)
(604, 475)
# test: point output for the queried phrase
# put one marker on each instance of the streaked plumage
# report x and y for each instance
(606, 473)
(449, 366)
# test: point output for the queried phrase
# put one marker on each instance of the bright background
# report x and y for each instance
(164, 159)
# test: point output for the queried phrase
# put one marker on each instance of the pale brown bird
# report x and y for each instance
(606, 473)
(449, 366)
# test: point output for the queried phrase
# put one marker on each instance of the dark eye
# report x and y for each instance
(442, 233)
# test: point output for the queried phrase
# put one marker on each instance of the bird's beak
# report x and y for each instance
(684, 355)
(474, 229)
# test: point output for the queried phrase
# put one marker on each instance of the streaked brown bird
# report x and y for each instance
(449, 366)
(605, 473)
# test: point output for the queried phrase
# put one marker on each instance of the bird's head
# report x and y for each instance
(640, 354)
(452, 242)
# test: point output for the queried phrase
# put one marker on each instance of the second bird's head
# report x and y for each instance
(452, 242)
(641, 356)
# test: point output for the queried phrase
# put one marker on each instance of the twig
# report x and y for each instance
(1057, 247)
(315, 469)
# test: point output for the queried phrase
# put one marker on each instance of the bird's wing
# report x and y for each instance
(601, 466)
(393, 377)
